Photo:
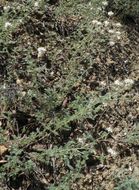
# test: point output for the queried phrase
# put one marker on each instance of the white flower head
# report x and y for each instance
(36, 4)
(126, 61)
(118, 24)
(118, 37)
(6, 8)
(19, 81)
(99, 23)
(20, 20)
(80, 140)
(4, 86)
(111, 43)
(103, 83)
(105, 104)
(23, 93)
(129, 82)
(118, 32)
(110, 13)
(99, 8)
(52, 73)
(112, 152)
(89, 3)
(7, 25)
(94, 21)
(118, 83)
(111, 31)
(106, 23)
(109, 129)
(105, 3)
(41, 52)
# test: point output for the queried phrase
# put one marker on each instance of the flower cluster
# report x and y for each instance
(7, 25)
(6, 8)
(37, 4)
(105, 3)
(125, 83)
(112, 152)
(110, 27)
(113, 28)
(110, 13)
(41, 52)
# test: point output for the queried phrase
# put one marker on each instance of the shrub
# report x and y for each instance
(128, 184)
(124, 7)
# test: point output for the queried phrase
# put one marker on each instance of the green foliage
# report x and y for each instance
(46, 104)
(126, 7)
(49, 125)
(128, 184)
(132, 137)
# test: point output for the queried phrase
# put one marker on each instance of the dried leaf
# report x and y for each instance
(3, 149)
(3, 161)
